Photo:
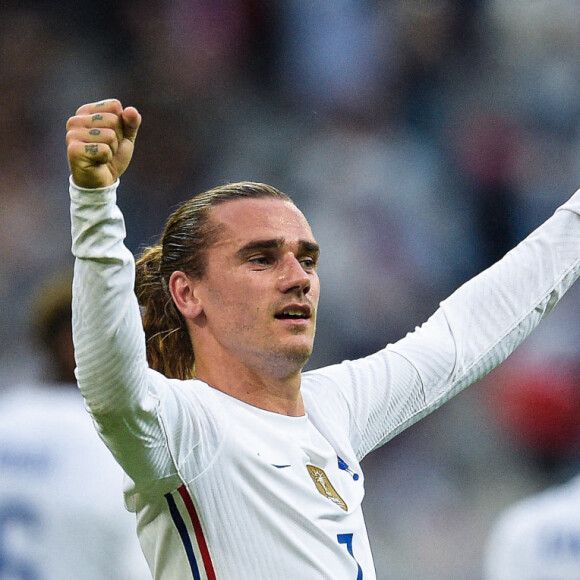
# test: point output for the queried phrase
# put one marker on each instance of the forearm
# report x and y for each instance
(108, 336)
(132, 404)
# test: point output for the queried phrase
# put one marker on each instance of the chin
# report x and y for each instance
(300, 355)
(292, 359)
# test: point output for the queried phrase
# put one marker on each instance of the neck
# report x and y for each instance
(265, 390)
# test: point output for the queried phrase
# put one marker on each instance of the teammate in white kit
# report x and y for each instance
(61, 510)
(240, 465)
(538, 538)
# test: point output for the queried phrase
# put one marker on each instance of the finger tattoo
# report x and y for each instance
(97, 117)
(92, 149)
(94, 132)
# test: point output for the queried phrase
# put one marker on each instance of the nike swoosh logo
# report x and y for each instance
(279, 466)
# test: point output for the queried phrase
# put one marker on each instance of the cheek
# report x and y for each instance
(236, 306)
(235, 299)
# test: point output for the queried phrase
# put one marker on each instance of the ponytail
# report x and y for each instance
(169, 348)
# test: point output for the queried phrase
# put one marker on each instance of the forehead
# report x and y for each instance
(260, 218)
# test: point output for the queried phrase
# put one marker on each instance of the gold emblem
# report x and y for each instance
(324, 486)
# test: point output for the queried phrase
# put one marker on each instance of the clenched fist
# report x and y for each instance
(100, 141)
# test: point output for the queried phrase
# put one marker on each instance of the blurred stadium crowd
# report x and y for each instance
(421, 138)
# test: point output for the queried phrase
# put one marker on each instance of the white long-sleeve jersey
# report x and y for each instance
(61, 510)
(227, 491)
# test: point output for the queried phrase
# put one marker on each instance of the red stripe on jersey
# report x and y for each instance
(202, 544)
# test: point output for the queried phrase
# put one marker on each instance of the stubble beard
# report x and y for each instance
(287, 362)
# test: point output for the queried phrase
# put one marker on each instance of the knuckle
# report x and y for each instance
(92, 149)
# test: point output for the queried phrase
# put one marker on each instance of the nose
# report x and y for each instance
(293, 276)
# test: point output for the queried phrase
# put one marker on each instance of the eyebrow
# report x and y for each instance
(304, 246)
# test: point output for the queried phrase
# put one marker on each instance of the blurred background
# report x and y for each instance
(422, 139)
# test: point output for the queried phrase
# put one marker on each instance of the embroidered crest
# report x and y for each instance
(324, 486)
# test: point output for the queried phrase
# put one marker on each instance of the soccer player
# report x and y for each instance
(241, 465)
(538, 537)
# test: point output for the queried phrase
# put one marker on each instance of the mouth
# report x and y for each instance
(294, 312)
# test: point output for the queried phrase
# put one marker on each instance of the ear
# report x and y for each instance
(183, 291)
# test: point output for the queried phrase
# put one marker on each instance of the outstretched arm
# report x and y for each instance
(473, 331)
(100, 141)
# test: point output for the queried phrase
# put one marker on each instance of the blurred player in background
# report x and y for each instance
(241, 466)
(61, 516)
(538, 538)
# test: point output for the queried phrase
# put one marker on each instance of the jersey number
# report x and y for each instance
(346, 539)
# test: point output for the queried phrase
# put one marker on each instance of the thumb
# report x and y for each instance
(131, 123)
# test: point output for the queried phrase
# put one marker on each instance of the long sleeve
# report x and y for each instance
(108, 335)
(122, 394)
(487, 318)
(472, 331)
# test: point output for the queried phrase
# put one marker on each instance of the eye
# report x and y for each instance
(308, 263)
(260, 260)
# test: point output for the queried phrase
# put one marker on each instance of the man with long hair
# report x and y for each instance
(241, 465)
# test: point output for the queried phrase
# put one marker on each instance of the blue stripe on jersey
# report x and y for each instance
(182, 529)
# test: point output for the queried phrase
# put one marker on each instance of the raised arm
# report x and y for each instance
(112, 371)
(473, 331)
(486, 319)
